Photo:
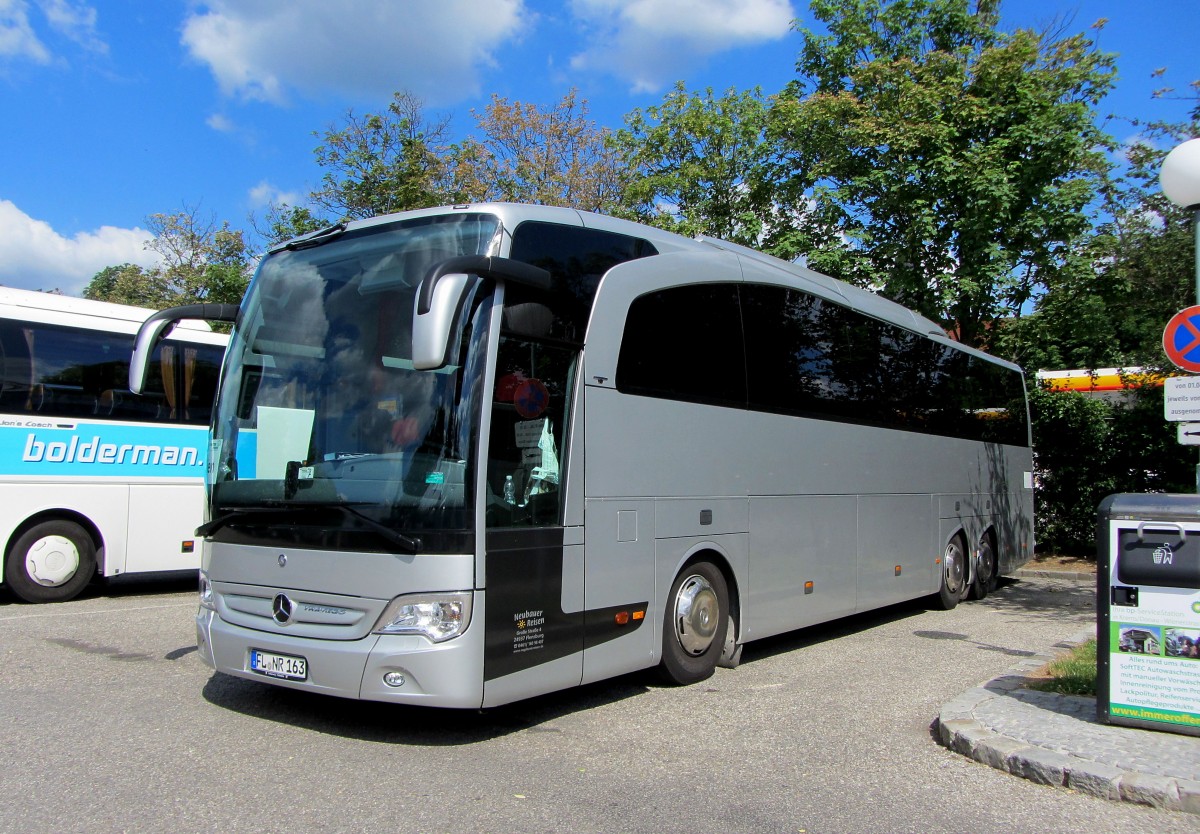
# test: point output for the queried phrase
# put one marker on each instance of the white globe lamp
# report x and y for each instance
(1180, 178)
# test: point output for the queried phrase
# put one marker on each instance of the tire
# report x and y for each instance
(50, 562)
(695, 623)
(954, 583)
(984, 581)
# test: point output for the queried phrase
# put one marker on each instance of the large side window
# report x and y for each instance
(576, 259)
(810, 357)
(795, 360)
(83, 374)
(195, 368)
(685, 343)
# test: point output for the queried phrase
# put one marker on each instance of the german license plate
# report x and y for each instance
(278, 665)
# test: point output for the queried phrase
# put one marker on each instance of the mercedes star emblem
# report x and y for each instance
(282, 609)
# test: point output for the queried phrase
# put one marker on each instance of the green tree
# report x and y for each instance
(384, 162)
(128, 284)
(930, 156)
(553, 156)
(699, 164)
(284, 222)
(199, 261)
(1140, 272)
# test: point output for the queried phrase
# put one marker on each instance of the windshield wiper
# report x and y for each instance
(407, 544)
(209, 527)
(310, 240)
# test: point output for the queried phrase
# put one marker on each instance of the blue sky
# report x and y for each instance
(119, 109)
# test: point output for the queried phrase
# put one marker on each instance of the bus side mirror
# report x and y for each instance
(432, 328)
(155, 328)
(440, 297)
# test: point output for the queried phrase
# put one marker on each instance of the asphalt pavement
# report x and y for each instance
(1057, 740)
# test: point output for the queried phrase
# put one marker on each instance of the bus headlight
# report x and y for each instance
(438, 617)
(206, 592)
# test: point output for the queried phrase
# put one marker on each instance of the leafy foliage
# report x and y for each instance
(1140, 272)
(200, 261)
(699, 164)
(947, 163)
(384, 162)
(1086, 449)
(554, 156)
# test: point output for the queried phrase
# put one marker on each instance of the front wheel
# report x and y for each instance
(50, 562)
(695, 624)
(954, 574)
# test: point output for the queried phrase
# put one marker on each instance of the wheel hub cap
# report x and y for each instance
(696, 615)
(52, 561)
(955, 567)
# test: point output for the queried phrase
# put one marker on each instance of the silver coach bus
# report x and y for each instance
(463, 456)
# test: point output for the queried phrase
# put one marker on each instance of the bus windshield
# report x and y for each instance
(325, 430)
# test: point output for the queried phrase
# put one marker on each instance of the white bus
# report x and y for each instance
(95, 481)
(463, 456)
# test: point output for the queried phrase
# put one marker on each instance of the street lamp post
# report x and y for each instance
(1180, 178)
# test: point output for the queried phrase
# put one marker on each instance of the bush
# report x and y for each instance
(1086, 449)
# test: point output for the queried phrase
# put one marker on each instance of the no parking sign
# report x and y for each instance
(1181, 339)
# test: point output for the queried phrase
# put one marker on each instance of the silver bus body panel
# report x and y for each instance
(802, 478)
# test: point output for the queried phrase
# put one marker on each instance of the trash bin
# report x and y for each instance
(1148, 612)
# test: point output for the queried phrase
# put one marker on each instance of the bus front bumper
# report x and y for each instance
(406, 669)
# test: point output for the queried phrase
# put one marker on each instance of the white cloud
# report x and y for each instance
(73, 21)
(17, 38)
(265, 195)
(651, 43)
(35, 257)
(359, 48)
(76, 21)
(220, 123)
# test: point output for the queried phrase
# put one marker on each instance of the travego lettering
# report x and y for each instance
(93, 451)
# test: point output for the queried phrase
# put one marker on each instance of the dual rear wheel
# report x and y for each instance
(960, 579)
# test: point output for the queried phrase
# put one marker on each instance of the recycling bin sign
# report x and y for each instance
(1148, 612)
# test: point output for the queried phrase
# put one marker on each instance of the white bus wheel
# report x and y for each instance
(694, 624)
(50, 562)
(954, 574)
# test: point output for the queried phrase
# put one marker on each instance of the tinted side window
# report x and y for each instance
(810, 357)
(685, 343)
(75, 373)
(197, 368)
(792, 351)
(577, 259)
(997, 404)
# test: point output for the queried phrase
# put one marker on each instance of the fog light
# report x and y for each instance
(394, 679)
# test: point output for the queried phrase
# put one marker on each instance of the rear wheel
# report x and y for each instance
(984, 581)
(50, 562)
(694, 624)
(954, 574)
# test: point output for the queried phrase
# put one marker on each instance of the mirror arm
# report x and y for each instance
(157, 326)
(484, 266)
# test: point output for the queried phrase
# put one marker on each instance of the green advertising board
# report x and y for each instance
(1148, 612)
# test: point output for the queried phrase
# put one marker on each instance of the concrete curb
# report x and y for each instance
(960, 729)
(1038, 573)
